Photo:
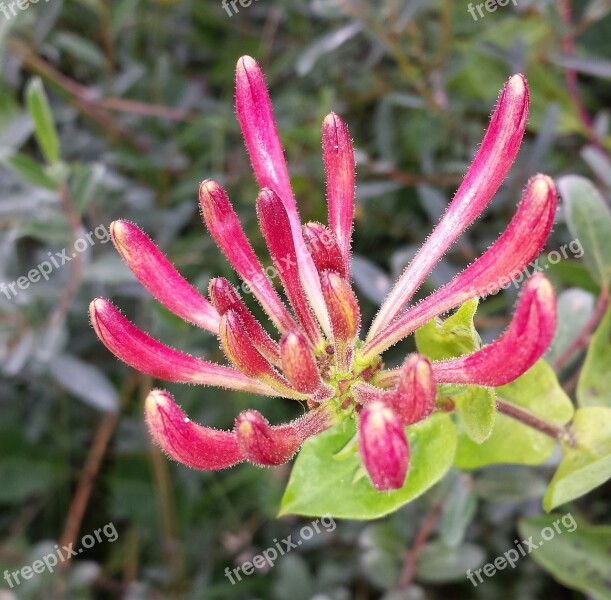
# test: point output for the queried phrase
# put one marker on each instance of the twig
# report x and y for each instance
(572, 84)
(412, 178)
(94, 460)
(76, 273)
(411, 556)
(556, 432)
(80, 500)
(581, 341)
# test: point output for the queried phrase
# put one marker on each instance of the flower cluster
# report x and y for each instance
(319, 358)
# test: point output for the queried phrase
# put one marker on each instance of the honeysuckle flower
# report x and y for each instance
(317, 357)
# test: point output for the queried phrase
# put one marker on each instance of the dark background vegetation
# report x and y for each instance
(415, 81)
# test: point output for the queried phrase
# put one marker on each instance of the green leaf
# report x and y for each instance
(320, 485)
(577, 555)
(575, 308)
(587, 464)
(44, 127)
(28, 477)
(458, 510)
(594, 387)
(537, 391)
(477, 409)
(29, 170)
(589, 220)
(439, 564)
(451, 338)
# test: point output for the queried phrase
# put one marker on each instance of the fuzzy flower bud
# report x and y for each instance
(343, 306)
(383, 446)
(323, 247)
(414, 398)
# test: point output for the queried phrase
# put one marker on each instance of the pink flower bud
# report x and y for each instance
(342, 305)
(277, 233)
(323, 247)
(241, 351)
(529, 334)
(383, 446)
(224, 297)
(267, 445)
(298, 363)
(191, 444)
(414, 398)
(224, 226)
(150, 356)
(338, 156)
(160, 278)
(491, 164)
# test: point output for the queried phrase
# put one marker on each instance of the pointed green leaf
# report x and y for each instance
(577, 555)
(320, 485)
(587, 464)
(539, 392)
(28, 169)
(589, 220)
(594, 387)
(44, 126)
(477, 409)
(439, 340)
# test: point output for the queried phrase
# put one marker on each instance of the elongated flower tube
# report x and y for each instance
(240, 350)
(505, 259)
(255, 114)
(338, 157)
(323, 247)
(191, 444)
(160, 278)
(267, 445)
(225, 228)
(150, 356)
(276, 229)
(319, 359)
(383, 446)
(530, 333)
(490, 166)
(225, 297)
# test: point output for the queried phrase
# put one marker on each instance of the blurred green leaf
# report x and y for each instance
(578, 558)
(587, 464)
(85, 381)
(458, 509)
(575, 308)
(439, 564)
(594, 386)
(320, 485)
(44, 126)
(589, 220)
(29, 170)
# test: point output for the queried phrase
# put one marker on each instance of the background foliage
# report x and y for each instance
(141, 96)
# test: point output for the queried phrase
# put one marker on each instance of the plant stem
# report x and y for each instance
(411, 556)
(556, 432)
